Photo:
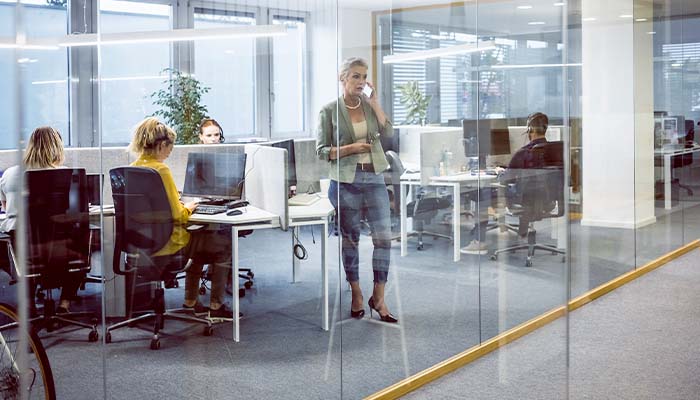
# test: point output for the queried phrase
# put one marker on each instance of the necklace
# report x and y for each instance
(354, 107)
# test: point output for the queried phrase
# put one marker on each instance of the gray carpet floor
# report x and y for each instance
(444, 308)
(637, 342)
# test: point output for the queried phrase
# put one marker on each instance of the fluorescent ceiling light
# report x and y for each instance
(559, 4)
(641, 19)
(521, 66)
(652, 33)
(590, 19)
(441, 52)
(536, 23)
(524, 7)
(626, 16)
(10, 44)
(175, 35)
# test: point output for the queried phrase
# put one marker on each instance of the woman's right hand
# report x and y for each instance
(360, 148)
(191, 205)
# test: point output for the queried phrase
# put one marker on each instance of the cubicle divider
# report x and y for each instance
(433, 148)
(266, 180)
(309, 168)
(100, 160)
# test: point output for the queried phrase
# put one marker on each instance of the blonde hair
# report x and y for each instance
(148, 134)
(350, 63)
(44, 149)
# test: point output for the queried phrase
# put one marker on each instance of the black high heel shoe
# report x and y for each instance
(357, 314)
(386, 318)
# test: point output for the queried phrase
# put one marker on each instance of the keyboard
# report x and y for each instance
(209, 209)
(303, 199)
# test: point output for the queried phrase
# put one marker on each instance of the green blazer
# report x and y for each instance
(336, 131)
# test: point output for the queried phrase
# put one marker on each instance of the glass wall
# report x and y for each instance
(474, 167)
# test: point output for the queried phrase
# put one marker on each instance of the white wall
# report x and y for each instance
(617, 104)
(336, 35)
(356, 35)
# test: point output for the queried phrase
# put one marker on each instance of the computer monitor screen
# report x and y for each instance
(94, 189)
(215, 175)
(500, 142)
(470, 135)
(291, 161)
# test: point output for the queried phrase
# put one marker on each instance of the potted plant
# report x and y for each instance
(181, 106)
(415, 101)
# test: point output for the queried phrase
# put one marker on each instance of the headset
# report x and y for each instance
(537, 120)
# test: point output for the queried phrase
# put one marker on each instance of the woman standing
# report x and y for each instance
(348, 138)
(153, 142)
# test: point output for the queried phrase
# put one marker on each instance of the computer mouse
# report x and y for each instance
(234, 212)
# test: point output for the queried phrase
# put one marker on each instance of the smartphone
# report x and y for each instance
(367, 91)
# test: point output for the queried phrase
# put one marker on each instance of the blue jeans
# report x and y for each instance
(369, 191)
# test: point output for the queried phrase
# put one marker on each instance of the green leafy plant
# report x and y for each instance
(57, 3)
(181, 106)
(415, 101)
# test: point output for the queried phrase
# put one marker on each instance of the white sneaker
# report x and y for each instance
(475, 247)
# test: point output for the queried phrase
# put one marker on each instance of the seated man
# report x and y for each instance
(536, 128)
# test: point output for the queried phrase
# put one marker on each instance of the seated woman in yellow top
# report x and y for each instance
(153, 142)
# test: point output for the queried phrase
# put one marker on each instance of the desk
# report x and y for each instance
(455, 182)
(252, 218)
(255, 219)
(313, 214)
(666, 156)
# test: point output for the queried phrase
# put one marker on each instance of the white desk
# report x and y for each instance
(313, 214)
(455, 182)
(255, 219)
(252, 218)
(666, 156)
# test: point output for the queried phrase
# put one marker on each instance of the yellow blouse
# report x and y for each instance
(180, 237)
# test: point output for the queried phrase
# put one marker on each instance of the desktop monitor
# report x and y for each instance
(215, 175)
(487, 138)
(291, 160)
(500, 142)
(94, 189)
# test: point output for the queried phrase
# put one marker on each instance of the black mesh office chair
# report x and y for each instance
(538, 194)
(685, 159)
(423, 209)
(58, 242)
(144, 223)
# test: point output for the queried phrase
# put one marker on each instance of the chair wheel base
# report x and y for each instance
(155, 344)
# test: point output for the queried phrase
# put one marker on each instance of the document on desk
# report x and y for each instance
(250, 215)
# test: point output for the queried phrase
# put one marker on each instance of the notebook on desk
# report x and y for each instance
(303, 199)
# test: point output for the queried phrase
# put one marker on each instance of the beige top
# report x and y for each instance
(360, 129)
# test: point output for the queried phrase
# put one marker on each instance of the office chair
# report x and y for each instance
(58, 241)
(539, 194)
(392, 177)
(423, 209)
(685, 159)
(144, 224)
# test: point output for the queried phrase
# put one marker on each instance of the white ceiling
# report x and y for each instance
(502, 18)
